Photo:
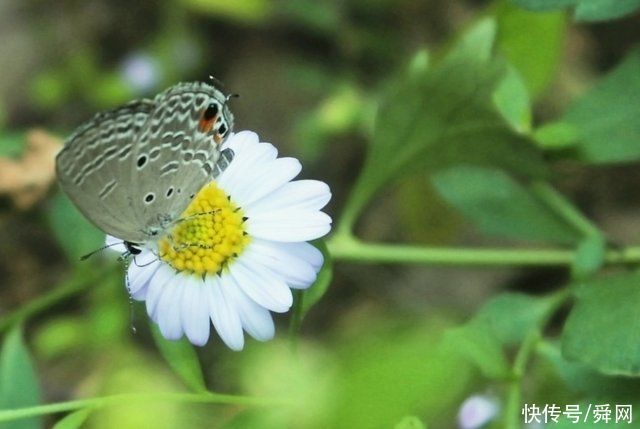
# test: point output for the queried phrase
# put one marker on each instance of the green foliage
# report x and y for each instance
(445, 115)
(19, 385)
(586, 10)
(247, 11)
(182, 358)
(605, 9)
(602, 329)
(532, 42)
(557, 135)
(397, 372)
(476, 343)
(497, 204)
(410, 422)
(589, 257)
(581, 379)
(73, 420)
(512, 100)
(503, 321)
(11, 144)
(75, 234)
(511, 316)
(605, 116)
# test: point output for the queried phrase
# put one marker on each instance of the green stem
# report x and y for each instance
(347, 248)
(514, 394)
(557, 202)
(513, 407)
(78, 283)
(129, 398)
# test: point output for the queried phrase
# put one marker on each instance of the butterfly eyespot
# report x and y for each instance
(169, 192)
(192, 195)
(222, 129)
(149, 197)
(142, 160)
(211, 112)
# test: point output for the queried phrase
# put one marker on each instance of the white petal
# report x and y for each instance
(262, 286)
(243, 164)
(239, 140)
(294, 270)
(169, 309)
(256, 320)
(298, 195)
(140, 271)
(195, 311)
(265, 179)
(115, 244)
(294, 225)
(224, 316)
(305, 251)
(163, 275)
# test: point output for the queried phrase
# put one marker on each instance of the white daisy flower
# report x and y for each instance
(233, 267)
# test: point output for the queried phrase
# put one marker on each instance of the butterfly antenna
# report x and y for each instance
(132, 310)
(88, 255)
(229, 97)
(216, 81)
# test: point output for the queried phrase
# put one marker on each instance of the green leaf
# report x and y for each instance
(589, 257)
(496, 204)
(532, 42)
(586, 10)
(477, 42)
(11, 144)
(74, 233)
(607, 116)
(18, 380)
(603, 330)
(601, 10)
(399, 371)
(511, 316)
(182, 358)
(73, 420)
(477, 343)
(544, 5)
(557, 136)
(512, 100)
(445, 115)
(503, 321)
(579, 378)
(317, 290)
(247, 11)
(410, 422)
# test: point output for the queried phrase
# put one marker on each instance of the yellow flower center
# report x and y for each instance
(208, 236)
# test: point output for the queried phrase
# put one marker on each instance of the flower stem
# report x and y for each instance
(129, 398)
(529, 345)
(514, 394)
(347, 248)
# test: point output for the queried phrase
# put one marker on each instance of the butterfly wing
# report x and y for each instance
(174, 157)
(93, 168)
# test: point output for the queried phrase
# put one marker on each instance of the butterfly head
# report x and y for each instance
(216, 117)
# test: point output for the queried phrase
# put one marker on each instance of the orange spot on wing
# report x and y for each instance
(206, 125)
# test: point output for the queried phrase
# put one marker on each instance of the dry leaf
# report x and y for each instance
(28, 179)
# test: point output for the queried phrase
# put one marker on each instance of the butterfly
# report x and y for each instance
(133, 170)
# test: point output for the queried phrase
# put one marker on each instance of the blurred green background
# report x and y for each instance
(310, 74)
